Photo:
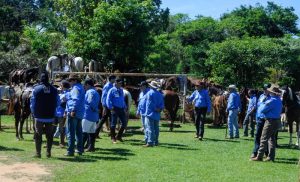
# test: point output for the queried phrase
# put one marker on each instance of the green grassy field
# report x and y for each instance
(179, 157)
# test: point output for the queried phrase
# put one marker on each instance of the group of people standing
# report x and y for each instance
(265, 111)
(76, 106)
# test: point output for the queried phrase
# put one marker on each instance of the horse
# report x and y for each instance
(292, 111)
(244, 100)
(8, 93)
(22, 109)
(219, 107)
(31, 74)
(171, 100)
(75, 64)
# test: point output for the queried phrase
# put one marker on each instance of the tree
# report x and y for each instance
(272, 21)
(245, 62)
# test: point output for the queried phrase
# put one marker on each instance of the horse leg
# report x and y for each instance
(21, 128)
(298, 134)
(27, 126)
(17, 121)
(291, 132)
(171, 113)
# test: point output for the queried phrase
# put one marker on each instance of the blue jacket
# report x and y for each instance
(91, 105)
(154, 101)
(272, 108)
(43, 103)
(262, 99)
(75, 102)
(60, 110)
(141, 109)
(115, 98)
(252, 104)
(201, 99)
(234, 101)
(105, 90)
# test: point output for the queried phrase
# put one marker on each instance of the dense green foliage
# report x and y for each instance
(138, 35)
(179, 157)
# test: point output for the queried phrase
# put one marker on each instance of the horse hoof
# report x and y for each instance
(17, 138)
(27, 132)
(171, 129)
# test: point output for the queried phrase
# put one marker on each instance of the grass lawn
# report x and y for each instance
(179, 157)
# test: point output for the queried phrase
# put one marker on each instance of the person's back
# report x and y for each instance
(76, 100)
(45, 101)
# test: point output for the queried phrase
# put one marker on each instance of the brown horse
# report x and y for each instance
(219, 106)
(171, 100)
(292, 111)
(244, 100)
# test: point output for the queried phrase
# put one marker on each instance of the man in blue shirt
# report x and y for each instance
(260, 119)
(154, 106)
(251, 111)
(271, 110)
(91, 114)
(60, 111)
(141, 109)
(115, 102)
(233, 108)
(75, 112)
(106, 112)
(202, 103)
(43, 105)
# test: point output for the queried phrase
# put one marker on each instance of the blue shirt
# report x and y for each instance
(154, 101)
(91, 105)
(272, 108)
(201, 99)
(115, 98)
(105, 90)
(141, 109)
(251, 104)
(60, 110)
(234, 101)
(75, 102)
(262, 99)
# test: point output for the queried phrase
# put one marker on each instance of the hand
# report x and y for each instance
(73, 114)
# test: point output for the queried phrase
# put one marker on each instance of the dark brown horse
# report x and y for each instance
(22, 109)
(244, 100)
(292, 111)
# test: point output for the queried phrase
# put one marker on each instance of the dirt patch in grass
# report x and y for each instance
(22, 172)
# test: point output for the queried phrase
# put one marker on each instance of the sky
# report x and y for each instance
(215, 8)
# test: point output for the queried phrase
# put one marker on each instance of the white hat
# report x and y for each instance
(154, 84)
(232, 87)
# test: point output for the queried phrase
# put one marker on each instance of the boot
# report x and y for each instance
(113, 135)
(120, 133)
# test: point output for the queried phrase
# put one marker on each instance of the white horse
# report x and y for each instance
(75, 64)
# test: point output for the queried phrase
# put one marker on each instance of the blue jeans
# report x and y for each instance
(152, 131)
(74, 129)
(249, 118)
(144, 126)
(118, 113)
(233, 127)
(259, 128)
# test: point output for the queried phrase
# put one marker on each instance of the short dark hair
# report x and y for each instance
(111, 77)
(89, 82)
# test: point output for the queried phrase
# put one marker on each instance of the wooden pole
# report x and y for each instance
(183, 100)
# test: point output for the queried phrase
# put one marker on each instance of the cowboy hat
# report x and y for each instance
(266, 86)
(274, 89)
(154, 84)
(232, 87)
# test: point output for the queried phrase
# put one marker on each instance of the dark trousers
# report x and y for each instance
(200, 116)
(259, 128)
(102, 121)
(40, 127)
(118, 113)
(62, 129)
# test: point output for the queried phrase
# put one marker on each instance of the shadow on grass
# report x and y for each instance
(216, 126)
(89, 158)
(114, 151)
(287, 160)
(2, 148)
(219, 140)
(287, 146)
(178, 131)
(163, 145)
